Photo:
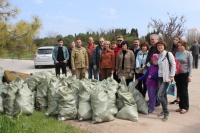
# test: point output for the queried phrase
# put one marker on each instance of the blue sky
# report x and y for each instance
(78, 16)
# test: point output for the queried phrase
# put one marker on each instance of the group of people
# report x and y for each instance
(153, 67)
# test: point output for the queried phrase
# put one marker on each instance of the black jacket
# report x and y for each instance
(152, 50)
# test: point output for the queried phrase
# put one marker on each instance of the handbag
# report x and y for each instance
(171, 89)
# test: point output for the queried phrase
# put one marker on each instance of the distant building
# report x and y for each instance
(193, 34)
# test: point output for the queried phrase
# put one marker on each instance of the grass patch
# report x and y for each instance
(35, 123)
(12, 56)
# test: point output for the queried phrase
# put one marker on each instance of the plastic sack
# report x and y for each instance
(41, 95)
(10, 95)
(36, 79)
(66, 103)
(84, 106)
(52, 103)
(1, 75)
(1, 103)
(171, 89)
(73, 84)
(111, 89)
(129, 110)
(142, 105)
(100, 105)
(24, 101)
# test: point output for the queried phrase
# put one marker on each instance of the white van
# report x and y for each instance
(43, 56)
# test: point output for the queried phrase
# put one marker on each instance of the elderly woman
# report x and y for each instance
(107, 61)
(184, 77)
(166, 74)
(140, 68)
(125, 63)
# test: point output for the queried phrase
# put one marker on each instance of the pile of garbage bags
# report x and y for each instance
(69, 98)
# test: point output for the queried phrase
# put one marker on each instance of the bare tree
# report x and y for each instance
(51, 41)
(7, 10)
(174, 27)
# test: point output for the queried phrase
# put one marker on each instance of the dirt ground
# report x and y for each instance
(178, 123)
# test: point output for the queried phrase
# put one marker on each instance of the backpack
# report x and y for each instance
(178, 64)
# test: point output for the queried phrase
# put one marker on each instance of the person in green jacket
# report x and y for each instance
(60, 56)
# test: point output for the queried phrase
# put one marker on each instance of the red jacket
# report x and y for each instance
(90, 51)
(107, 59)
(116, 50)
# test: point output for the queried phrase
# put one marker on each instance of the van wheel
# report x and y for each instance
(36, 67)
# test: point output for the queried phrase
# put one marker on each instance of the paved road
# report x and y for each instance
(178, 123)
(26, 66)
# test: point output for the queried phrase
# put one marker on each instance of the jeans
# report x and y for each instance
(95, 72)
(162, 94)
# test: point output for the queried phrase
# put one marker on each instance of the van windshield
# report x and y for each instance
(45, 51)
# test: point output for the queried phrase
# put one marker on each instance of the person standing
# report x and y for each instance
(113, 45)
(96, 57)
(120, 39)
(79, 60)
(175, 45)
(90, 50)
(72, 45)
(151, 78)
(154, 38)
(184, 77)
(140, 68)
(166, 73)
(60, 56)
(125, 63)
(195, 53)
(136, 46)
(174, 51)
(107, 62)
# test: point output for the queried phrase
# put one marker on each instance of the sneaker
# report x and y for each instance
(174, 102)
(150, 111)
(165, 118)
(160, 114)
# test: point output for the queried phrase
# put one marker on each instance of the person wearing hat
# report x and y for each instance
(151, 77)
(125, 63)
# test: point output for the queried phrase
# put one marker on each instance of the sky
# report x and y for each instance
(70, 17)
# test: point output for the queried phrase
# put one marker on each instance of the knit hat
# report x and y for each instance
(154, 57)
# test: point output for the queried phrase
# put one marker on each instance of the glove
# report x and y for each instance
(95, 67)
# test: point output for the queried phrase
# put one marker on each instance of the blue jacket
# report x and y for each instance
(96, 55)
(140, 61)
(55, 53)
